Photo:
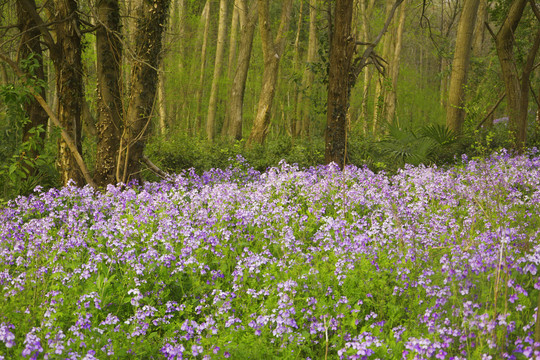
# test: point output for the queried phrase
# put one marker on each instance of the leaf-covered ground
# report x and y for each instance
(294, 264)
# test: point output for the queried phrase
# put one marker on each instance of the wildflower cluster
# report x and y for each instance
(318, 263)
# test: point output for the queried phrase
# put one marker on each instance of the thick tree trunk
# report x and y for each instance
(272, 52)
(455, 114)
(109, 100)
(144, 78)
(236, 98)
(341, 52)
(30, 46)
(218, 66)
(517, 94)
(69, 84)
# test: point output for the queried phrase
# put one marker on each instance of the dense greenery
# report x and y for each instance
(428, 263)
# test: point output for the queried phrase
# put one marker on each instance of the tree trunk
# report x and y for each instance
(390, 99)
(366, 11)
(218, 65)
(479, 30)
(380, 87)
(233, 38)
(144, 77)
(517, 94)
(294, 122)
(109, 99)
(455, 114)
(308, 75)
(30, 46)
(238, 8)
(205, 22)
(341, 52)
(69, 84)
(272, 52)
(239, 82)
(162, 102)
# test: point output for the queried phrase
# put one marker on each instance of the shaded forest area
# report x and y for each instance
(110, 91)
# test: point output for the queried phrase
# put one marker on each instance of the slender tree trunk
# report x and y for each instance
(144, 77)
(480, 28)
(366, 11)
(205, 22)
(109, 100)
(239, 82)
(390, 99)
(341, 52)
(272, 52)
(233, 38)
(162, 103)
(218, 66)
(295, 123)
(380, 87)
(69, 84)
(309, 75)
(235, 22)
(455, 114)
(30, 46)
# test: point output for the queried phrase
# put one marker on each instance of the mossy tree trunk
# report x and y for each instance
(341, 53)
(152, 16)
(109, 99)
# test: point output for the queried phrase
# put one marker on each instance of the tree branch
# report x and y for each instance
(162, 174)
(491, 111)
(31, 10)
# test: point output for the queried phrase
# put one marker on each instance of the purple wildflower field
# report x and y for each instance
(429, 263)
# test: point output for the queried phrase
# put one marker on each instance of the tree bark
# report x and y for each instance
(366, 11)
(341, 53)
(391, 98)
(380, 87)
(455, 114)
(205, 22)
(218, 66)
(69, 84)
(294, 122)
(517, 94)
(237, 8)
(144, 77)
(309, 76)
(239, 82)
(109, 99)
(272, 52)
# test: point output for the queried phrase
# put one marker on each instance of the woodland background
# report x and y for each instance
(141, 87)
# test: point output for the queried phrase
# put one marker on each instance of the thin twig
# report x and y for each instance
(491, 111)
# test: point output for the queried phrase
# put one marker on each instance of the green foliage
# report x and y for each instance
(23, 164)
(183, 152)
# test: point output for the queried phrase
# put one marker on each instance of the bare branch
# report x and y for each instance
(162, 174)
(491, 111)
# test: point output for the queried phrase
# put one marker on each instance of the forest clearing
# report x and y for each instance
(316, 263)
